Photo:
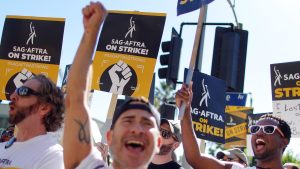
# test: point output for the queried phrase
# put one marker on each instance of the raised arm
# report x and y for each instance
(77, 140)
(190, 146)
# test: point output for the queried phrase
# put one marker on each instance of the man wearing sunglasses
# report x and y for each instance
(133, 138)
(36, 108)
(270, 137)
(171, 139)
(234, 154)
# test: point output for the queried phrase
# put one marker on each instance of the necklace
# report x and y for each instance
(10, 142)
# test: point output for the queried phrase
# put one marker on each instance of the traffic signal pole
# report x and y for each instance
(198, 61)
(204, 24)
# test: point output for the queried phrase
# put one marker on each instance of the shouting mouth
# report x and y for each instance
(259, 144)
(134, 146)
(11, 107)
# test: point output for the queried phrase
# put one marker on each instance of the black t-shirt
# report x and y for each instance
(168, 165)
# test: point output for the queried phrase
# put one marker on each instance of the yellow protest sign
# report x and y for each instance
(29, 45)
(127, 51)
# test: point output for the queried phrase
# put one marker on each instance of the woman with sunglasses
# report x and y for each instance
(270, 137)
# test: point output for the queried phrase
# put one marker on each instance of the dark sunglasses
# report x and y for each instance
(167, 134)
(26, 91)
(267, 129)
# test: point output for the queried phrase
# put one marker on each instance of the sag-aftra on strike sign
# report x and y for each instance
(29, 46)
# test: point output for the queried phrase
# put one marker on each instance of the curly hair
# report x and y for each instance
(54, 96)
(282, 125)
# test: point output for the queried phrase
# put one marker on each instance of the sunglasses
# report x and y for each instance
(230, 159)
(167, 134)
(26, 91)
(267, 129)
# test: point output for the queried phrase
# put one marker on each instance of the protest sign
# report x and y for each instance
(285, 81)
(208, 107)
(65, 79)
(185, 6)
(236, 126)
(29, 46)
(127, 51)
(236, 99)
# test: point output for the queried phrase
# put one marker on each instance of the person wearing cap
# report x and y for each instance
(234, 155)
(133, 138)
(171, 139)
(270, 137)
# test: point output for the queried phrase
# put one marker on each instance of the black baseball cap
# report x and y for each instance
(135, 103)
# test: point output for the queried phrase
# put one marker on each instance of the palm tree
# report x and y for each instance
(290, 157)
(163, 94)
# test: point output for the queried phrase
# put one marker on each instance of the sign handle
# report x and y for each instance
(112, 106)
(188, 79)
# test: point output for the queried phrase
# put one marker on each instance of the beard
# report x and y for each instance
(165, 149)
(262, 156)
(20, 113)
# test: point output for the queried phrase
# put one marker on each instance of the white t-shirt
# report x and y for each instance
(93, 161)
(234, 166)
(238, 167)
(41, 152)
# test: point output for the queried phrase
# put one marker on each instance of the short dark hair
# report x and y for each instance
(146, 105)
(51, 94)
(282, 125)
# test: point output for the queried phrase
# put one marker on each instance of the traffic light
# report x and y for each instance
(171, 59)
(229, 57)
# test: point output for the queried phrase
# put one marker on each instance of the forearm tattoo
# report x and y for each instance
(83, 132)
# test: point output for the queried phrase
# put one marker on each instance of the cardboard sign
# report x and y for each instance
(127, 51)
(29, 46)
(65, 79)
(236, 126)
(285, 81)
(236, 99)
(208, 107)
(185, 6)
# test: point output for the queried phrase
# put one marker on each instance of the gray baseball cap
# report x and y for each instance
(233, 153)
(175, 128)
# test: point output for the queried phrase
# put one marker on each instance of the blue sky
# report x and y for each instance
(272, 24)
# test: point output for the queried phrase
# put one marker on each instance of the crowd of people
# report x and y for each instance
(137, 138)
